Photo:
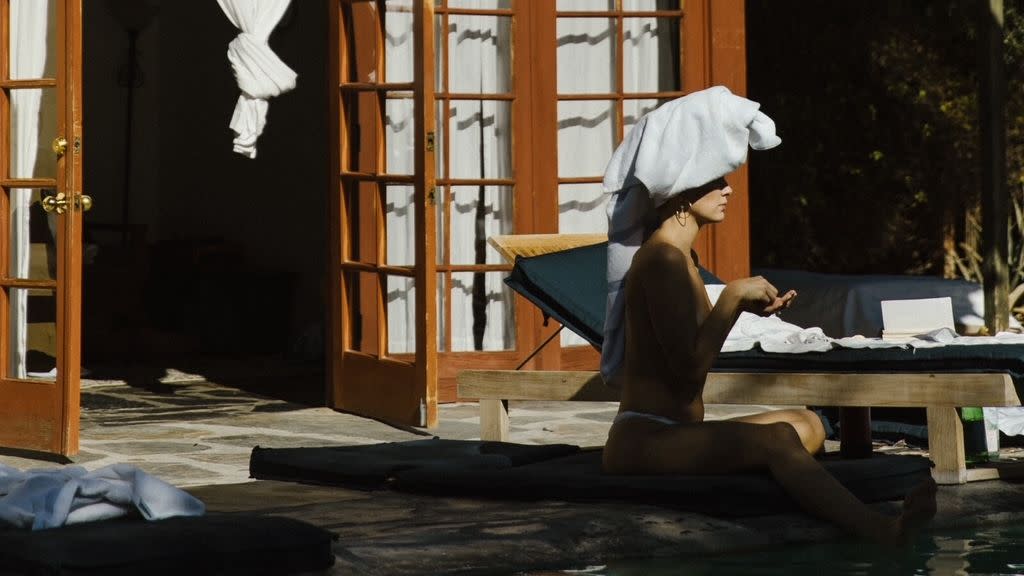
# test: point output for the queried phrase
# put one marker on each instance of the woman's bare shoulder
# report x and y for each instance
(661, 256)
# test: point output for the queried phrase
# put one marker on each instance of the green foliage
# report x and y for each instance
(876, 103)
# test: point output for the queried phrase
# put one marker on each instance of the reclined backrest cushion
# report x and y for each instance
(570, 286)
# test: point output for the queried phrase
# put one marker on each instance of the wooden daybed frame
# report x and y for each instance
(939, 393)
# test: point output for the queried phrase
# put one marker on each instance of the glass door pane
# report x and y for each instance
(33, 39)
(476, 169)
(586, 55)
(32, 121)
(33, 236)
(35, 355)
(482, 306)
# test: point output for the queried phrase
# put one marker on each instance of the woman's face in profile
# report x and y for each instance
(711, 206)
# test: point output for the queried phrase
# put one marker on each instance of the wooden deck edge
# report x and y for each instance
(911, 389)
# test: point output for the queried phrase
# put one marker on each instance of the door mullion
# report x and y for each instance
(424, 54)
(5, 191)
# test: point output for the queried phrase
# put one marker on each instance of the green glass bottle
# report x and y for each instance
(972, 414)
(974, 433)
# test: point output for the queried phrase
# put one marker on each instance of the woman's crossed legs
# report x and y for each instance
(781, 442)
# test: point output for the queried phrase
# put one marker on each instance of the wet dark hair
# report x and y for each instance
(657, 215)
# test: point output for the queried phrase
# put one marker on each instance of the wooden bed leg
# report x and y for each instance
(946, 445)
(855, 432)
(493, 420)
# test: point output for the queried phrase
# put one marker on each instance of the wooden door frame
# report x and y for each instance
(395, 387)
(45, 414)
(426, 184)
(69, 261)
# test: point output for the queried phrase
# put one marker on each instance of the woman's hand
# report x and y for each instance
(758, 296)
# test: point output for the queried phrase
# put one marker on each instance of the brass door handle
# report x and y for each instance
(60, 146)
(59, 203)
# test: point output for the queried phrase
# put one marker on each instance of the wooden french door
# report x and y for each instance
(382, 279)
(41, 204)
(515, 108)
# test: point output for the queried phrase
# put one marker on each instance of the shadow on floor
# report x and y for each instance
(270, 376)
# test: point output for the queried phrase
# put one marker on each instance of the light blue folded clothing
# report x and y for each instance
(48, 498)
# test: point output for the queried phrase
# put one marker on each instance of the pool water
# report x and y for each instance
(990, 550)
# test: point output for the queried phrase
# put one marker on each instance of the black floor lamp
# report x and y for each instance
(134, 16)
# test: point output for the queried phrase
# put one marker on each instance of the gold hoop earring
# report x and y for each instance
(683, 215)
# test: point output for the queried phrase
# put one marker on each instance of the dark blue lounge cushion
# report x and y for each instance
(571, 287)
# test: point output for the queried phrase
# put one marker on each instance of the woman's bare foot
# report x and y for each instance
(918, 510)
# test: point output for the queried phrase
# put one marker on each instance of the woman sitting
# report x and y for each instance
(662, 333)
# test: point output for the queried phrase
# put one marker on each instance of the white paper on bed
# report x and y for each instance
(904, 319)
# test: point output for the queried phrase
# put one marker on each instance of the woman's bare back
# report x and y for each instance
(650, 385)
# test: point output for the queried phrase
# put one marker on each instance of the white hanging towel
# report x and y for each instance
(260, 73)
(40, 499)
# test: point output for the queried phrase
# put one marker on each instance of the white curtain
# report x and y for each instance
(478, 50)
(260, 73)
(32, 24)
(399, 132)
(587, 131)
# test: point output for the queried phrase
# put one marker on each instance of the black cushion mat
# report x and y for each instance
(372, 466)
(211, 544)
(525, 472)
(579, 478)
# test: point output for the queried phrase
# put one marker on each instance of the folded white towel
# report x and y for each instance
(40, 499)
(859, 341)
(771, 332)
(681, 145)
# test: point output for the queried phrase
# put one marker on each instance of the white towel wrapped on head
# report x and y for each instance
(681, 145)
